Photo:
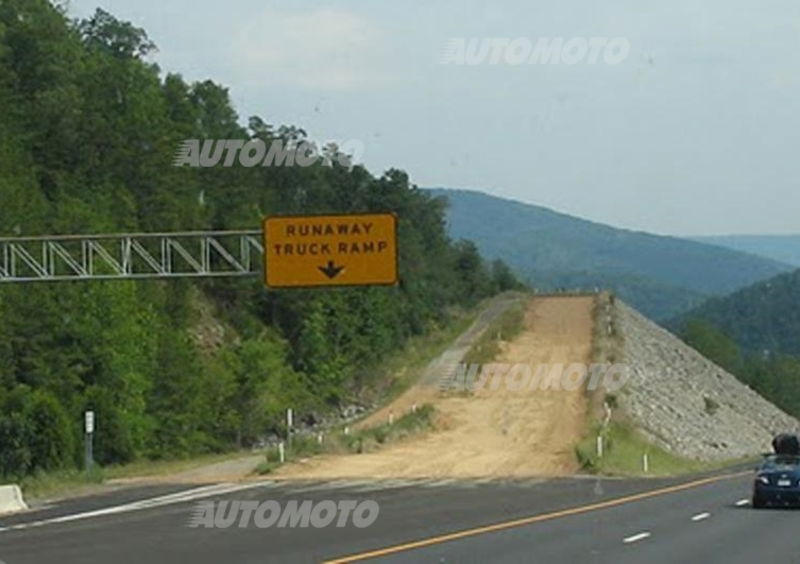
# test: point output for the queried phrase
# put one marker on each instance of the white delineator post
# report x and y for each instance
(89, 436)
(599, 446)
(289, 422)
(645, 463)
(281, 453)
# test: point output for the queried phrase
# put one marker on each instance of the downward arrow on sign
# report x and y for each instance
(331, 270)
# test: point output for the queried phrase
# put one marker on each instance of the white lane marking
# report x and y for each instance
(355, 485)
(742, 502)
(438, 483)
(188, 495)
(701, 516)
(382, 486)
(320, 486)
(636, 537)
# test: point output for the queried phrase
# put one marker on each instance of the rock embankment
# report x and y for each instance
(686, 403)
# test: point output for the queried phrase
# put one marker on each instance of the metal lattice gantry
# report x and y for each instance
(129, 256)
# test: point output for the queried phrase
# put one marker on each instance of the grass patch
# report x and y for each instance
(147, 467)
(607, 340)
(356, 442)
(370, 439)
(508, 325)
(56, 483)
(622, 455)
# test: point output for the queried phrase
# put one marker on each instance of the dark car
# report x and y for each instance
(777, 481)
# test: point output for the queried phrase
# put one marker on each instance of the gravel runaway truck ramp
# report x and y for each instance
(491, 432)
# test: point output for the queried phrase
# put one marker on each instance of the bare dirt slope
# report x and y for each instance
(426, 390)
(492, 433)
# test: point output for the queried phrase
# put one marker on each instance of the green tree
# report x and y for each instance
(714, 344)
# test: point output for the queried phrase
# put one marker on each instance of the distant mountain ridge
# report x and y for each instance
(783, 248)
(661, 276)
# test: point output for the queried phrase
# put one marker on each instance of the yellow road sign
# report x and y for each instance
(330, 250)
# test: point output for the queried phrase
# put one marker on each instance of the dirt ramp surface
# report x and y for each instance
(427, 389)
(493, 432)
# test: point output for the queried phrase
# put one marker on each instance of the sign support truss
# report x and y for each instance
(132, 256)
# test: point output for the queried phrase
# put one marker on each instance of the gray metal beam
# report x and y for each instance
(131, 256)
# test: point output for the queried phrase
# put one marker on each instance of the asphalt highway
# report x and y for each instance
(583, 519)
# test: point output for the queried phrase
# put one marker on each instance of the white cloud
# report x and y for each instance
(323, 49)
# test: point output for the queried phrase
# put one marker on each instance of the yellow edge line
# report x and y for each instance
(528, 520)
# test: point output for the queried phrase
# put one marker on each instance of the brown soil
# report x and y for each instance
(491, 433)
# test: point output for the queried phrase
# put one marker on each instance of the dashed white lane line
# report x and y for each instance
(701, 516)
(637, 537)
(742, 502)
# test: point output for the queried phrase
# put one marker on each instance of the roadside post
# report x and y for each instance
(289, 422)
(88, 427)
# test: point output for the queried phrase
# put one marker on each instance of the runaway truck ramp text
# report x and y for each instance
(330, 250)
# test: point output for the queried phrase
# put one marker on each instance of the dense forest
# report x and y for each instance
(754, 334)
(763, 318)
(88, 132)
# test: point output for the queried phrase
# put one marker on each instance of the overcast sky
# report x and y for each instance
(695, 132)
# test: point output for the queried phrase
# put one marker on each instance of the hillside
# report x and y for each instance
(782, 248)
(174, 368)
(661, 276)
(761, 318)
